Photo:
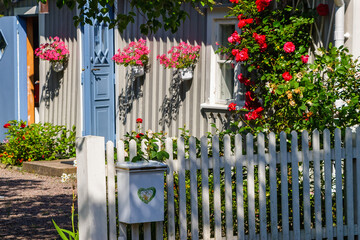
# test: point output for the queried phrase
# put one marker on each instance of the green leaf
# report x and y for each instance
(60, 232)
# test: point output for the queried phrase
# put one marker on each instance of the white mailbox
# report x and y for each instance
(141, 191)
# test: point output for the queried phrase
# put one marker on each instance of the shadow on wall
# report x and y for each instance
(51, 87)
(171, 104)
(129, 94)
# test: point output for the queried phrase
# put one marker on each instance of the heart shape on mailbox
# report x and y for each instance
(146, 194)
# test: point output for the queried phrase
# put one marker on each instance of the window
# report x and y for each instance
(224, 86)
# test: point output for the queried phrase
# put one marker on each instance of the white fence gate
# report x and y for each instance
(244, 189)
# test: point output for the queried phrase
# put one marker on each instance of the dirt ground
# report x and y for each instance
(29, 202)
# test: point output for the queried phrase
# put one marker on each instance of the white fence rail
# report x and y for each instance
(245, 189)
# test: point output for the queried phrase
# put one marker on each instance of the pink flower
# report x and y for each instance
(234, 38)
(289, 47)
(305, 58)
(232, 107)
(287, 77)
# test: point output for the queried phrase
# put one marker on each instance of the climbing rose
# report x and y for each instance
(305, 58)
(7, 125)
(242, 55)
(139, 120)
(287, 77)
(244, 80)
(139, 135)
(254, 114)
(23, 125)
(234, 1)
(322, 9)
(232, 107)
(289, 47)
(234, 38)
(244, 21)
(262, 4)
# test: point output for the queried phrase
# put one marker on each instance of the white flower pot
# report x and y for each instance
(137, 70)
(186, 73)
(57, 66)
(141, 191)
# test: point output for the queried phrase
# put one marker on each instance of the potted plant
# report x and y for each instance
(56, 52)
(136, 55)
(182, 57)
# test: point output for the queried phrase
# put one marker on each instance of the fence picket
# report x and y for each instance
(284, 187)
(132, 149)
(295, 185)
(239, 187)
(182, 189)
(273, 186)
(262, 185)
(228, 188)
(159, 230)
(349, 184)
(357, 179)
(194, 190)
(250, 184)
(120, 159)
(170, 189)
(339, 191)
(328, 188)
(111, 189)
(317, 183)
(205, 187)
(135, 231)
(147, 231)
(306, 184)
(217, 192)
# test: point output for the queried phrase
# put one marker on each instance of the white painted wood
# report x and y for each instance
(194, 190)
(160, 230)
(317, 183)
(132, 149)
(91, 187)
(327, 176)
(262, 185)
(357, 180)
(217, 191)
(205, 188)
(284, 187)
(273, 186)
(295, 185)
(121, 158)
(228, 189)
(135, 231)
(111, 190)
(239, 188)
(306, 184)
(170, 190)
(349, 184)
(250, 184)
(147, 231)
(339, 195)
(182, 189)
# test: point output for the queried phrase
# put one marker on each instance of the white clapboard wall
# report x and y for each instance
(268, 187)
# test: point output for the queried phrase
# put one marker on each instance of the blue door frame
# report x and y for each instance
(98, 81)
(13, 78)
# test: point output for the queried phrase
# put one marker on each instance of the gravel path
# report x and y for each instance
(28, 202)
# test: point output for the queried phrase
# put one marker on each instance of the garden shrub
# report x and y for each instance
(38, 141)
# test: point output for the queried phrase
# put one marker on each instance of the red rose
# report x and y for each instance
(23, 125)
(234, 52)
(234, 38)
(243, 21)
(23, 137)
(232, 107)
(305, 58)
(234, 1)
(139, 120)
(287, 77)
(322, 9)
(139, 135)
(7, 125)
(289, 47)
(242, 55)
(262, 4)
(244, 80)
(254, 114)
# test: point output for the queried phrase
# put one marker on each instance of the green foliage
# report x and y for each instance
(167, 14)
(39, 141)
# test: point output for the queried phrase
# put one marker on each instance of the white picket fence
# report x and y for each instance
(249, 190)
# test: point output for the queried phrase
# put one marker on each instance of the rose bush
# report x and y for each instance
(284, 91)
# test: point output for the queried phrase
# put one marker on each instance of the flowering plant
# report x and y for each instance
(284, 91)
(55, 51)
(135, 54)
(182, 56)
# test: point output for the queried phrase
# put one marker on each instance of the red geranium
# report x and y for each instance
(139, 120)
(262, 4)
(305, 58)
(7, 125)
(287, 77)
(289, 47)
(322, 9)
(139, 135)
(232, 107)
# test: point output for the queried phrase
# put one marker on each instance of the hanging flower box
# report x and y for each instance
(186, 73)
(137, 71)
(141, 191)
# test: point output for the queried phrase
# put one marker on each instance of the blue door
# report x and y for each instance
(13, 90)
(99, 81)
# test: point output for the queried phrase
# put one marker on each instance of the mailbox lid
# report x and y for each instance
(146, 166)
